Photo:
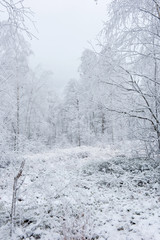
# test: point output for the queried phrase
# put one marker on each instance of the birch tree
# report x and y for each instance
(132, 32)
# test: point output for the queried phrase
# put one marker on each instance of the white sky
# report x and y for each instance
(65, 29)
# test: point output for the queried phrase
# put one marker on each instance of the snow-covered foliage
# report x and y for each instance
(116, 97)
(84, 193)
(84, 165)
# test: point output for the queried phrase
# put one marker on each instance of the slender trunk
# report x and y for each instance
(156, 94)
(103, 124)
(13, 208)
(14, 197)
(79, 134)
(158, 139)
(17, 117)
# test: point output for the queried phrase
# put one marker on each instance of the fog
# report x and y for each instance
(65, 29)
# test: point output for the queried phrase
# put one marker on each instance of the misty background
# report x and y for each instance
(64, 30)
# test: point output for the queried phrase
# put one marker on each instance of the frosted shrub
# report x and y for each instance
(77, 222)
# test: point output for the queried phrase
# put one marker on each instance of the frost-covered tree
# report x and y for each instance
(72, 108)
(132, 34)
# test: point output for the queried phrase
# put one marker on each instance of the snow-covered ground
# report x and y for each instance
(84, 193)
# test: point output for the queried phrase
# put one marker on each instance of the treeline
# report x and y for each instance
(118, 94)
(116, 98)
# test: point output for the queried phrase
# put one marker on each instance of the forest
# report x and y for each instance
(84, 164)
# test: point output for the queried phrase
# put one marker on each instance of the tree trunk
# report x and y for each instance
(14, 197)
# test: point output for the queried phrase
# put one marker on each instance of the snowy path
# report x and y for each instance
(87, 192)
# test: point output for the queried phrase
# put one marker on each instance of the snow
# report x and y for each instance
(92, 192)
